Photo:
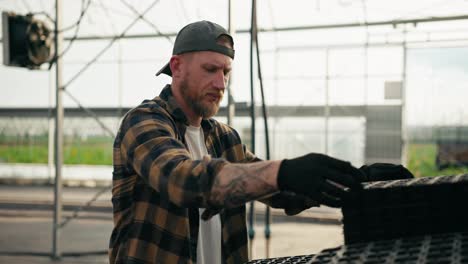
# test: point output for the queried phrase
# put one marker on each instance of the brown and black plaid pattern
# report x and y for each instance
(158, 188)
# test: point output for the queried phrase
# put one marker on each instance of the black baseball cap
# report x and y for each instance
(199, 36)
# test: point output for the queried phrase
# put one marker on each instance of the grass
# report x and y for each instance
(98, 151)
(421, 161)
(88, 153)
(93, 151)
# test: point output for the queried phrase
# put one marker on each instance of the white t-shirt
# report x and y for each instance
(209, 234)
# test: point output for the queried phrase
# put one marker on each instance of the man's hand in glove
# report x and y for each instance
(385, 172)
(322, 178)
(292, 203)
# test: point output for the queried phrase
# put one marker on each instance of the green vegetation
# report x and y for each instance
(91, 151)
(421, 161)
(98, 151)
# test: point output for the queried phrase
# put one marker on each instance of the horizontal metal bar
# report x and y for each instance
(242, 110)
(296, 28)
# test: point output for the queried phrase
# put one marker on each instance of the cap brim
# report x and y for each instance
(166, 70)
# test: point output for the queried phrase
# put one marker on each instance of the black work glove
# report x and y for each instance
(322, 178)
(292, 203)
(385, 172)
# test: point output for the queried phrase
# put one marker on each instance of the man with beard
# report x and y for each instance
(181, 179)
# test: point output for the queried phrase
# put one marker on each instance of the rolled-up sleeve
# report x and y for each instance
(151, 148)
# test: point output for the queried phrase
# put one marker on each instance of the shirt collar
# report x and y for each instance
(176, 112)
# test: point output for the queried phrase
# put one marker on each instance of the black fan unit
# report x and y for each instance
(27, 42)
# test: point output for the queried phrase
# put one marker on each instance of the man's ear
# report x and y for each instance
(175, 64)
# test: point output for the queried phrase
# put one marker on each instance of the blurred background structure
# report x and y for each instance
(364, 81)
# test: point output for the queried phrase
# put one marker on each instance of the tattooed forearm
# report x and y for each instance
(237, 184)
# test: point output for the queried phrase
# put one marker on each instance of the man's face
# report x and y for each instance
(204, 79)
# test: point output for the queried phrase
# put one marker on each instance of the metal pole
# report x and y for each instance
(231, 110)
(51, 133)
(366, 87)
(56, 252)
(327, 106)
(252, 128)
(267, 140)
(120, 78)
(404, 150)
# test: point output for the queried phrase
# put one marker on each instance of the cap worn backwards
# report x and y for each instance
(199, 36)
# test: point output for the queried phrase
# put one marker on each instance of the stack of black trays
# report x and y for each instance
(429, 249)
(423, 220)
(401, 208)
(284, 260)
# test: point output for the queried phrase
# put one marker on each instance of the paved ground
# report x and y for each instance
(26, 228)
(29, 240)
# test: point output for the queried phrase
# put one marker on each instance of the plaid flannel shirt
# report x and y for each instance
(158, 188)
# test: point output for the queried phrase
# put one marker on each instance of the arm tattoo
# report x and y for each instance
(237, 184)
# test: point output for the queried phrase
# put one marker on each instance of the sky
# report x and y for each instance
(298, 66)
